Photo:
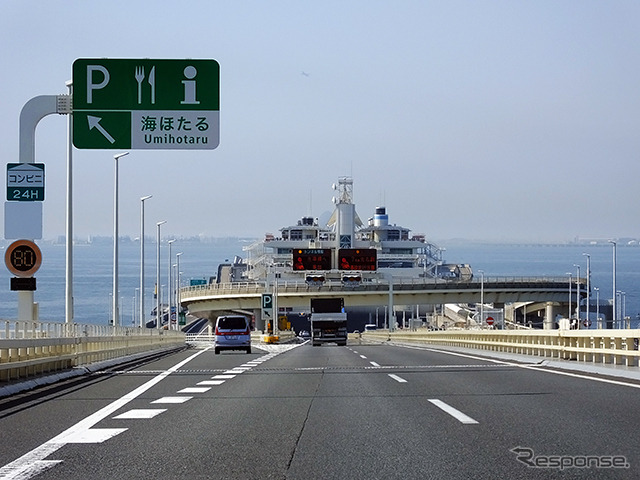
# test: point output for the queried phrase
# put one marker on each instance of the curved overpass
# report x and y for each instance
(209, 300)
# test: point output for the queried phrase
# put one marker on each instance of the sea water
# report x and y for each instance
(93, 272)
(560, 260)
(93, 277)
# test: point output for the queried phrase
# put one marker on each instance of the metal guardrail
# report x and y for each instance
(34, 348)
(616, 347)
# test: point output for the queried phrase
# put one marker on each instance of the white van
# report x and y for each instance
(232, 333)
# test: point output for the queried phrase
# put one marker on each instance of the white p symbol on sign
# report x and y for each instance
(267, 301)
(95, 86)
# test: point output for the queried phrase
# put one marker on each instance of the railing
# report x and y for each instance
(617, 347)
(382, 284)
(34, 348)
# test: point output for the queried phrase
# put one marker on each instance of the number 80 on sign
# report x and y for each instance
(23, 258)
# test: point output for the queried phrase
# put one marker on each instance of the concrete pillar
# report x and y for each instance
(550, 315)
(260, 323)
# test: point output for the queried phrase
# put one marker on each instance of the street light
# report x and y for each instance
(577, 297)
(178, 307)
(158, 317)
(570, 280)
(621, 305)
(142, 199)
(481, 272)
(599, 323)
(135, 307)
(68, 302)
(169, 291)
(588, 284)
(116, 157)
(615, 303)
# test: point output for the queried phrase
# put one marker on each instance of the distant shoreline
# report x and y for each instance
(620, 242)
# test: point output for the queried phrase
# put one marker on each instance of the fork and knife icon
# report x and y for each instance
(139, 76)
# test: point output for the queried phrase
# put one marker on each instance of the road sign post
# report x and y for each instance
(23, 259)
(267, 308)
(146, 104)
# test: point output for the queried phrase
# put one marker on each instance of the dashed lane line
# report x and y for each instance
(172, 400)
(397, 378)
(457, 414)
(140, 413)
(195, 390)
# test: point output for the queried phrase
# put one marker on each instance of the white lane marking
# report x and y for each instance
(235, 371)
(95, 435)
(362, 356)
(211, 382)
(538, 368)
(457, 414)
(194, 390)
(172, 400)
(397, 378)
(32, 463)
(140, 413)
(28, 470)
(374, 364)
(223, 377)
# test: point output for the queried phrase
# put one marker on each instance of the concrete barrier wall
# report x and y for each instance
(36, 348)
(617, 347)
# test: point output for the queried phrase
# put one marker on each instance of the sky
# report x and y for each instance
(491, 120)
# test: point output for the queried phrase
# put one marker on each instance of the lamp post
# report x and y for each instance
(158, 315)
(174, 272)
(621, 306)
(481, 272)
(142, 199)
(588, 284)
(577, 297)
(615, 303)
(135, 307)
(169, 291)
(178, 307)
(68, 303)
(599, 324)
(116, 157)
(570, 280)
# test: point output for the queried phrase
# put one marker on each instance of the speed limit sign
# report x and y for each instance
(23, 258)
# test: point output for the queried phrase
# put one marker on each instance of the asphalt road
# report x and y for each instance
(361, 411)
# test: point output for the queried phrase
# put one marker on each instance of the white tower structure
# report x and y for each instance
(346, 213)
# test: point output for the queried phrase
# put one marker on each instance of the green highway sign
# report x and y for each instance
(146, 104)
(25, 182)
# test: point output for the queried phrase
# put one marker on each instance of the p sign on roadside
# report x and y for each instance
(267, 306)
(146, 104)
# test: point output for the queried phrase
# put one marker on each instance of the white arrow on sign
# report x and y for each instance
(94, 122)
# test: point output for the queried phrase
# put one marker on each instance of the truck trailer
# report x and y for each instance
(328, 321)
